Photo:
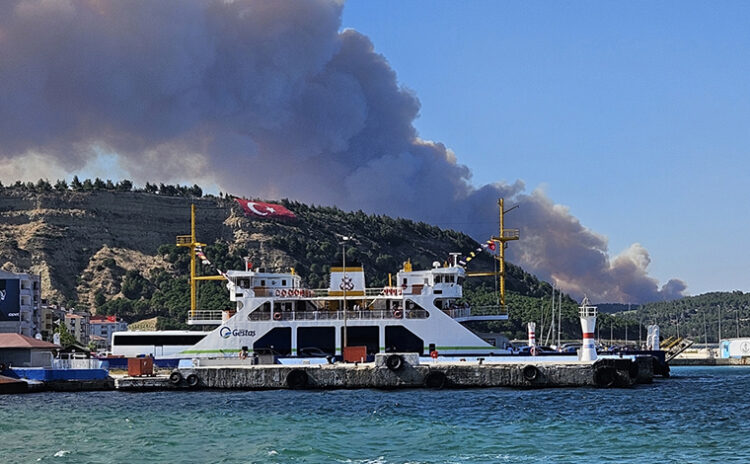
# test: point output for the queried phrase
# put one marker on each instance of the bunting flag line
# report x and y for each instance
(205, 261)
(488, 245)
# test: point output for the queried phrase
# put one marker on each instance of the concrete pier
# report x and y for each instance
(392, 371)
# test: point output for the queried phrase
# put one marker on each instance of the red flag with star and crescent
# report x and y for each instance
(265, 210)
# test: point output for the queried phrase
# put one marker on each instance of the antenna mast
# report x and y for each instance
(505, 235)
(192, 243)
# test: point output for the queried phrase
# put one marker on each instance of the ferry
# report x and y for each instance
(275, 313)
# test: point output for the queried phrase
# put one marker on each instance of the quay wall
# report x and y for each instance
(709, 362)
(369, 376)
(398, 373)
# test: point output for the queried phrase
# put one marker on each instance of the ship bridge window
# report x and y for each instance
(460, 281)
(243, 283)
(450, 278)
(438, 279)
(262, 283)
(283, 282)
(405, 282)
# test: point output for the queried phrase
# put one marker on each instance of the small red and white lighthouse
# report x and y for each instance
(532, 335)
(588, 324)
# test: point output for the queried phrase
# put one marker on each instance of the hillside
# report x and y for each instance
(112, 250)
(698, 317)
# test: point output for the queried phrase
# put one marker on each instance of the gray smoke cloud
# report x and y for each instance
(266, 99)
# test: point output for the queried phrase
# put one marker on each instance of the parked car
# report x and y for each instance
(526, 350)
(312, 352)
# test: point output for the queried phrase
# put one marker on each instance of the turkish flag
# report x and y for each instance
(265, 210)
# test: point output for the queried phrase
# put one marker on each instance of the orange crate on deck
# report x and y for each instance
(138, 367)
(355, 353)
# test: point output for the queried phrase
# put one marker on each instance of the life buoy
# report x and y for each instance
(532, 351)
(530, 372)
(278, 292)
(276, 316)
(192, 380)
(394, 362)
(397, 314)
(434, 354)
(435, 379)
(296, 378)
(283, 292)
(175, 378)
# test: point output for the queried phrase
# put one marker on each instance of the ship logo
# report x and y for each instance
(347, 283)
(225, 332)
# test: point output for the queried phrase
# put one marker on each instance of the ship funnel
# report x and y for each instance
(588, 324)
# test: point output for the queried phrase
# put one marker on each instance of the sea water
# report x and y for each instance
(699, 415)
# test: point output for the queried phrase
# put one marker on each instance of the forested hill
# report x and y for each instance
(698, 317)
(110, 248)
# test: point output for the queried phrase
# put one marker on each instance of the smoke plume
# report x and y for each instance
(267, 99)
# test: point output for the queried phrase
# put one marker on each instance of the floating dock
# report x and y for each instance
(395, 371)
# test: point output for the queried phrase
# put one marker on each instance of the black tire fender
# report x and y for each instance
(633, 369)
(605, 376)
(530, 372)
(394, 362)
(175, 378)
(435, 379)
(192, 380)
(296, 378)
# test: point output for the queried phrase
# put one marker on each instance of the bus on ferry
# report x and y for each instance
(162, 345)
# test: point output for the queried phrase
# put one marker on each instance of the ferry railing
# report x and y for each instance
(206, 315)
(385, 292)
(367, 315)
(493, 310)
(77, 364)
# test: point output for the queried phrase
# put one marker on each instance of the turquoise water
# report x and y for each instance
(700, 415)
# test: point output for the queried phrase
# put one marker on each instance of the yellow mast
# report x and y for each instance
(505, 235)
(192, 243)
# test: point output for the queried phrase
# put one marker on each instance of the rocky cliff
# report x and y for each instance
(86, 245)
(66, 236)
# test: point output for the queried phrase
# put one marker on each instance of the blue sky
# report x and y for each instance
(634, 115)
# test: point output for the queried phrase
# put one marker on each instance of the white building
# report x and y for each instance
(20, 300)
(105, 326)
